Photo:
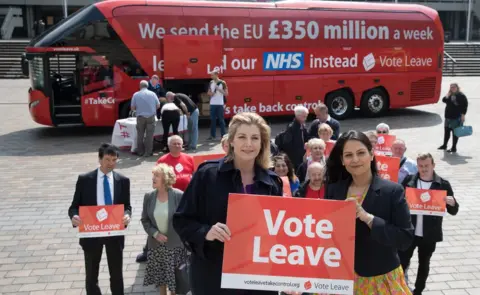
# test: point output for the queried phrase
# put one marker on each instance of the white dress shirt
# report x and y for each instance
(100, 194)
(419, 226)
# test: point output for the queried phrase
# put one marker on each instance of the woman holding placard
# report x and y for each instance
(383, 218)
(201, 216)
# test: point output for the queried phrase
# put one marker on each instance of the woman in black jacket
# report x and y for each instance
(202, 213)
(455, 111)
(383, 218)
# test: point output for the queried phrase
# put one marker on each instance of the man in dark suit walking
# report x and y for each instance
(100, 187)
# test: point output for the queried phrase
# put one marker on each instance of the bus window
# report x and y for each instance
(37, 77)
(133, 69)
(96, 74)
(101, 37)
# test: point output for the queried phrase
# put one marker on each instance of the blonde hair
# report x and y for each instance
(315, 141)
(166, 171)
(325, 127)
(251, 119)
(224, 139)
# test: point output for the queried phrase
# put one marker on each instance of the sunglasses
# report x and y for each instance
(382, 131)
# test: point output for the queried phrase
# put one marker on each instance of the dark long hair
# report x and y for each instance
(335, 169)
(291, 172)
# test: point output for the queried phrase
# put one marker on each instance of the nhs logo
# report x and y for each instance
(274, 61)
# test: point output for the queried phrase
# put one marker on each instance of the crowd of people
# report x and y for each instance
(152, 102)
(184, 216)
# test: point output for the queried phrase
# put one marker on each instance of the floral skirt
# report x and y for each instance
(392, 283)
(161, 265)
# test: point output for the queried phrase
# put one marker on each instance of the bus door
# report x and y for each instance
(62, 83)
(98, 102)
(191, 57)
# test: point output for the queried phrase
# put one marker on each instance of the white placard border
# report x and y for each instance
(427, 212)
(281, 283)
(101, 234)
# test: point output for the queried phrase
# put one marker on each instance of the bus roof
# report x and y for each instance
(286, 4)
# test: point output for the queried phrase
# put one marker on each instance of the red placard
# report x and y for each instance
(388, 167)
(101, 221)
(426, 202)
(199, 159)
(329, 147)
(384, 144)
(289, 244)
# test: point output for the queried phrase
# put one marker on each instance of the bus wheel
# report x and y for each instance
(340, 104)
(374, 102)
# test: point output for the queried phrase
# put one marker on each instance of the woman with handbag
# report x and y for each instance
(166, 252)
(455, 111)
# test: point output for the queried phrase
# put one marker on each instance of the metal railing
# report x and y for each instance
(7, 25)
(448, 59)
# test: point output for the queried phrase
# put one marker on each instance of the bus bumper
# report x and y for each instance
(39, 107)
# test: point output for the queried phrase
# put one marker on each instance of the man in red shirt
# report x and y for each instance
(182, 165)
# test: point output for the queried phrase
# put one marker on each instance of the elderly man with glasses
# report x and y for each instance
(383, 128)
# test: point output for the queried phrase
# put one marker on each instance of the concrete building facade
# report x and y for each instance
(20, 19)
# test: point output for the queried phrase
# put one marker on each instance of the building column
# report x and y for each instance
(30, 21)
(456, 24)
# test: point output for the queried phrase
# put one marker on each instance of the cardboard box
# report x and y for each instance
(205, 107)
(204, 98)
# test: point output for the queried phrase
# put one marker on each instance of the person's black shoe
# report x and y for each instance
(442, 147)
(141, 258)
(452, 150)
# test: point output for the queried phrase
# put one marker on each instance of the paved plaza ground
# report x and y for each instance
(39, 252)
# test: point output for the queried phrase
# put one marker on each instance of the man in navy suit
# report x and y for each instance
(99, 187)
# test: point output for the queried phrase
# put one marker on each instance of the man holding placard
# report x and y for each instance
(426, 192)
(101, 209)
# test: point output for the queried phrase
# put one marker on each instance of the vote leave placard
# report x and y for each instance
(384, 144)
(388, 167)
(101, 221)
(426, 202)
(289, 244)
(199, 159)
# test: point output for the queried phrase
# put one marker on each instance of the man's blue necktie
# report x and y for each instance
(106, 191)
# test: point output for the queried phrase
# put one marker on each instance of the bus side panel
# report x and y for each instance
(396, 85)
(39, 107)
(425, 88)
(250, 94)
(151, 60)
(99, 108)
(294, 90)
(125, 86)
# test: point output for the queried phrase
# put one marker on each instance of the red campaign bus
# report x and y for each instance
(273, 57)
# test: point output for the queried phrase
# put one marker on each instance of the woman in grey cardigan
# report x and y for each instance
(165, 250)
